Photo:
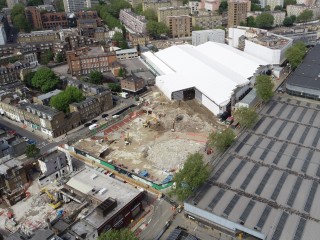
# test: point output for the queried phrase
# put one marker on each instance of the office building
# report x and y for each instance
(237, 12)
(203, 36)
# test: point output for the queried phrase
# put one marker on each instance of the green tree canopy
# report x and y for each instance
(287, 22)
(3, 4)
(264, 20)
(45, 79)
(247, 117)
(95, 77)
(114, 87)
(221, 140)
(118, 235)
(223, 7)
(115, 6)
(293, 17)
(19, 19)
(46, 57)
(107, 17)
(59, 6)
(32, 151)
(295, 54)
(17, 9)
(251, 22)
(120, 40)
(59, 58)
(150, 14)
(267, 8)
(197, 28)
(289, 2)
(193, 174)
(62, 100)
(34, 2)
(305, 16)
(278, 8)
(28, 79)
(138, 9)
(264, 87)
(255, 7)
(155, 29)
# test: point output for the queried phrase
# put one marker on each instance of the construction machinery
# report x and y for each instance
(151, 120)
(127, 139)
(54, 202)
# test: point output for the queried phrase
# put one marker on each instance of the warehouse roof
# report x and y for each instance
(214, 69)
(267, 184)
(307, 75)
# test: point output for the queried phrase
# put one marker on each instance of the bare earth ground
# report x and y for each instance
(157, 149)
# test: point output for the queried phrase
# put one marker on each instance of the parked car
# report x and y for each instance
(87, 124)
(115, 116)
(105, 115)
(94, 121)
(32, 142)
(25, 138)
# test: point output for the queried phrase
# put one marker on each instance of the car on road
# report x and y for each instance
(115, 116)
(94, 121)
(25, 138)
(32, 142)
(87, 124)
(104, 115)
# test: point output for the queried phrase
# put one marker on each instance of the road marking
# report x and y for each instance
(195, 228)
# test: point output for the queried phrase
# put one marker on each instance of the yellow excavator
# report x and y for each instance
(54, 203)
(151, 120)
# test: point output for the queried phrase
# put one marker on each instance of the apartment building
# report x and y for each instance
(132, 84)
(85, 60)
(134, 22)
(237, 12)
(93, 106)
(203, 36)
(12, 72)
(179, 26)
(271, 3)
(155, 4)
(140, 39)
(298, 9)
(165, 12)
(54, 20)
(76, 5)
(37, 37)
(33, 16)
(100, 34)
(210, 5)
(206, 20)
(194, 6)
(13, 180)
(87, 27)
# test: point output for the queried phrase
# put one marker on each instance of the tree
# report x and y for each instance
(264, 87)
(3, 4)
(59, 6)
(114, 87)
(247, 117)
(251, 21)
(45, 79)
(192, 175)
(264, 20)
(278, 8)
(28, 79)
(267, 8)
(289, 2)
(138, 9)
(118, 235)
(95, 77)
(295, 54)
(121, 72)
(17, 9)
(32, 151)
(155, 29)
(150, 14)
(124, 32)
(120, 40)
(62, 100)
(287, 22)
(46, 57)
(305, 16)
(59, 58)
(221, 140)
(255, 7)
(293, 18)
(223, 7)
(20, 22)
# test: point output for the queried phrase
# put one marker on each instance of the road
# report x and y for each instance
(157, 220)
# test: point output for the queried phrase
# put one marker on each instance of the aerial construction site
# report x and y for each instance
(155, 140)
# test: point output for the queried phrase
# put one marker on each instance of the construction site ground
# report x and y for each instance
(156, 149)
(32, 212)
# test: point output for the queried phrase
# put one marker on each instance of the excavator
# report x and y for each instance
(54, 203)
(151, 120)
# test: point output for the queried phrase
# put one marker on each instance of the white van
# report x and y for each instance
(93, 126)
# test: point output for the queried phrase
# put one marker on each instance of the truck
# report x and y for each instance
(124, 95)
(93, 126)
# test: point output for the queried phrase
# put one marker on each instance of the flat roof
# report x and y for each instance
(49, 94)
(213, 68)
(307, 74)
(267, 184)
(88, 179)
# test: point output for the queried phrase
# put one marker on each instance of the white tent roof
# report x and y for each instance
(214, 69)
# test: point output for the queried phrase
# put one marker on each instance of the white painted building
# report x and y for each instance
(271, 3)
(214, 74)
(260, 43)
(194, 6)
(203, 36)
(3, 36)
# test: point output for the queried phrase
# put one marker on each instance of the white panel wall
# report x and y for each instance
(210, 105)
(161, 86)
(272, 56)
